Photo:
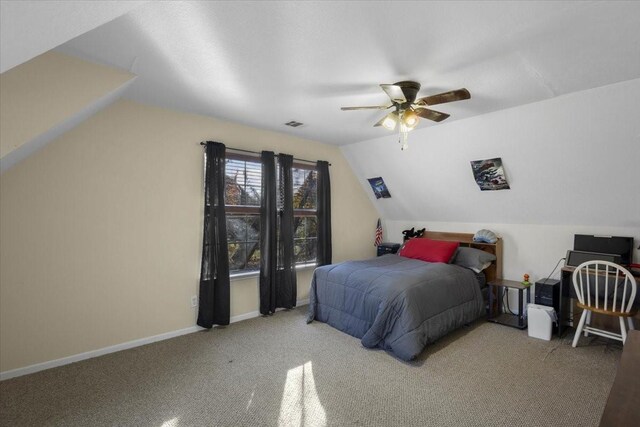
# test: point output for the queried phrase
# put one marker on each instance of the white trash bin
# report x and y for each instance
(541, 319)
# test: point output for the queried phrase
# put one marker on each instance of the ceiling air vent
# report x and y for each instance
(293, 124)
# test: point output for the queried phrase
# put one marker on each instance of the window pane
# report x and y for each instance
(253, 227)
(253, 256)
(236, 228)
(304, 188)
(299, 227)
(243, 232)
(232, 192)
(243, 182)
(237, 256)
(305, 250)
(299, 248)
(312, 226)
(312, 248)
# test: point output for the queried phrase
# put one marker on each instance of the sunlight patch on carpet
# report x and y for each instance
(170, 423)
(300, 405)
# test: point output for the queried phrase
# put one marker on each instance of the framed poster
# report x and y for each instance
(379, 188)
(489, 174)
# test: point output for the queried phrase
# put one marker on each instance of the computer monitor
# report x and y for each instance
(622, 246)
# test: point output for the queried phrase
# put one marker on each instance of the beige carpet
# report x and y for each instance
(281, 371)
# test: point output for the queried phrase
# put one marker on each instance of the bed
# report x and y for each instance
(401, 304)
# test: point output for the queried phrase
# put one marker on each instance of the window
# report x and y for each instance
(305, 220)
(243, 187)
(242, 200)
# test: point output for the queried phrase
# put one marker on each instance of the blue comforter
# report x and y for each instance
(395, 303)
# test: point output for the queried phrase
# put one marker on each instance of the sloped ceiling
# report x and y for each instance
(30, 28)
(569, 160)
(47, 96)
(555, 89)
(266, 63)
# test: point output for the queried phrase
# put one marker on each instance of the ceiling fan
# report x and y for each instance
(408, 109)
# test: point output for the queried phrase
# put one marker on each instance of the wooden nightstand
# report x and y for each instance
(518, 320)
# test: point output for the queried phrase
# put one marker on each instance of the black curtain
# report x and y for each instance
(268, 234)
(324, 214)
(286, 293)
(215, 303)
(278, 287)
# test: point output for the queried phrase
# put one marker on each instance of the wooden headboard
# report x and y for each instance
(494, 271)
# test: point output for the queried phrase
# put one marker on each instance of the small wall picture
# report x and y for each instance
(379, 188)
(489, 174)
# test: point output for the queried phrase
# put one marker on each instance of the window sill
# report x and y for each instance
(306, 266)
(250, 274)
(241, 276)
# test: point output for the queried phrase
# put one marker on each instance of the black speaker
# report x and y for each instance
(548, 293)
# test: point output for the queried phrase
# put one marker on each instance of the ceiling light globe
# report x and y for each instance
(390, 121)
(410, 119)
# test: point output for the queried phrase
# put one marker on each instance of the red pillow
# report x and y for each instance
(429, 250)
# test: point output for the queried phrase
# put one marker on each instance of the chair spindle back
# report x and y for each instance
(613, 275)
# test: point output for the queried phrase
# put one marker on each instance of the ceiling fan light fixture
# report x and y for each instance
(409, 110)
(410, 119)
(391, 120)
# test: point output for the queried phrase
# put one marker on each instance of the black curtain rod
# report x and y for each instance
(258, 153)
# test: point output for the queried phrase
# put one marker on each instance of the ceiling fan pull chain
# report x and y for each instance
(403, 137)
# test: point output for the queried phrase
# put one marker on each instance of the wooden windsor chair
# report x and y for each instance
(604, 287)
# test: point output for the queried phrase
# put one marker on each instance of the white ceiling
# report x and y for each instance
(30, 28)
(266, 63)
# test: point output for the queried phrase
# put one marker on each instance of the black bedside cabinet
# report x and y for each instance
(388, 248)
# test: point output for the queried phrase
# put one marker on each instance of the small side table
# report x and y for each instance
(518, 320)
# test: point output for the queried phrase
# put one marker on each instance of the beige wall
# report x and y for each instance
(46, 91)
(101, 230)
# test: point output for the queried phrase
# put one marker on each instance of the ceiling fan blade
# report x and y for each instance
(434, 115)
(442, 98)
(395, 93)
(376, 107)
(379, 122)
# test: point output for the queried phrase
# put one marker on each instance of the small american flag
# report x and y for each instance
(378, 240)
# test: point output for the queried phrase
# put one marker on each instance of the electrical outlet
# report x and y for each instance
(194, 301)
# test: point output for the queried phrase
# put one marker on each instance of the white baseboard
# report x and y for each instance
(118, 347)
(95, 353)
